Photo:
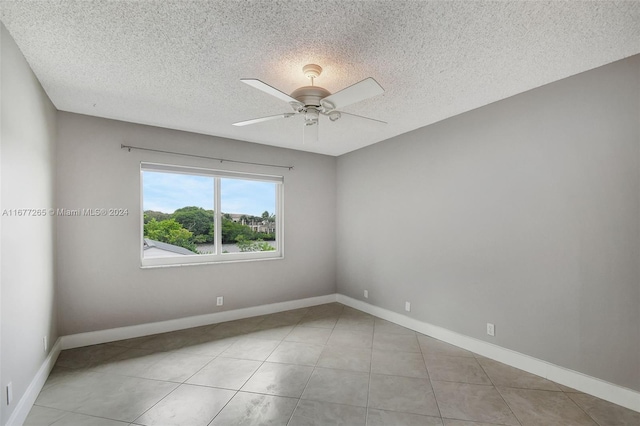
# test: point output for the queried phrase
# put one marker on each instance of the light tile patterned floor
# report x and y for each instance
(324, 365)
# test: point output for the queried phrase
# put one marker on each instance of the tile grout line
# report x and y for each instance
(585, 411)
(245, 382)
(177, 387)
(274, 349)
(496, 389)
(314, 368)
(184, 382)
(424, 360)
(353, 324)
(366, 413)
(202, 368)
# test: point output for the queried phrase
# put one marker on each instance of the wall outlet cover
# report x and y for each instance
(491, 329)
(9, 393)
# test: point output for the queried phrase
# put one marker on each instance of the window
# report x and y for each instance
(193, 215)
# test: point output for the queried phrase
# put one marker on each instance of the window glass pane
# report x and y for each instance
(248, 215)
(178, 214)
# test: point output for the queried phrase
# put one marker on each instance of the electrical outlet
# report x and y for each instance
(46, 344)
(9, 393)
(491, 329)
(366, 294)
(220, 301)
(407, 306)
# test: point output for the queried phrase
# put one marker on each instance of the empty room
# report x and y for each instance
(367, 213)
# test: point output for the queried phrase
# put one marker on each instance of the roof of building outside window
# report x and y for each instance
(166, 247)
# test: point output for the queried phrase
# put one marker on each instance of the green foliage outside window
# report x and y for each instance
(189, 226)
(171, 232)
(196, 220)
(246, 245)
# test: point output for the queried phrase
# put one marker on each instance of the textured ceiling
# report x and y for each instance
(178, 64)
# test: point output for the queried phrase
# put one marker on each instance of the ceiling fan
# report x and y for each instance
(313, 102)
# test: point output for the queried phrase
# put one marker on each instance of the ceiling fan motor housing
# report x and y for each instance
(310, 95)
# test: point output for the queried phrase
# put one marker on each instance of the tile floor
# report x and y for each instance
(324, 365)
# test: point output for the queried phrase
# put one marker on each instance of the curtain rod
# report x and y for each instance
(222, 160)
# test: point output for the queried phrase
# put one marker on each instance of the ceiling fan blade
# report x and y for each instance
(260, 120)
(360, 91)
(260, 85)
(310, 134)
(360, 116)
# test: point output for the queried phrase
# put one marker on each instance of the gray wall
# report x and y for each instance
(100, 280)
(524, 213)
(27, 143)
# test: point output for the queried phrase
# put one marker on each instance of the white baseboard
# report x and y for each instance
(579, 381)
(613, 393)
(121, 333)
(25, 403)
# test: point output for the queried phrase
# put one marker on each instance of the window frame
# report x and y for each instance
(218, 256)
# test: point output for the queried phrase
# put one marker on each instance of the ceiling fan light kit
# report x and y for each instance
(314, 102)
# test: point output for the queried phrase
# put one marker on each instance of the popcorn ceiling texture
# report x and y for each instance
(178, 64)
